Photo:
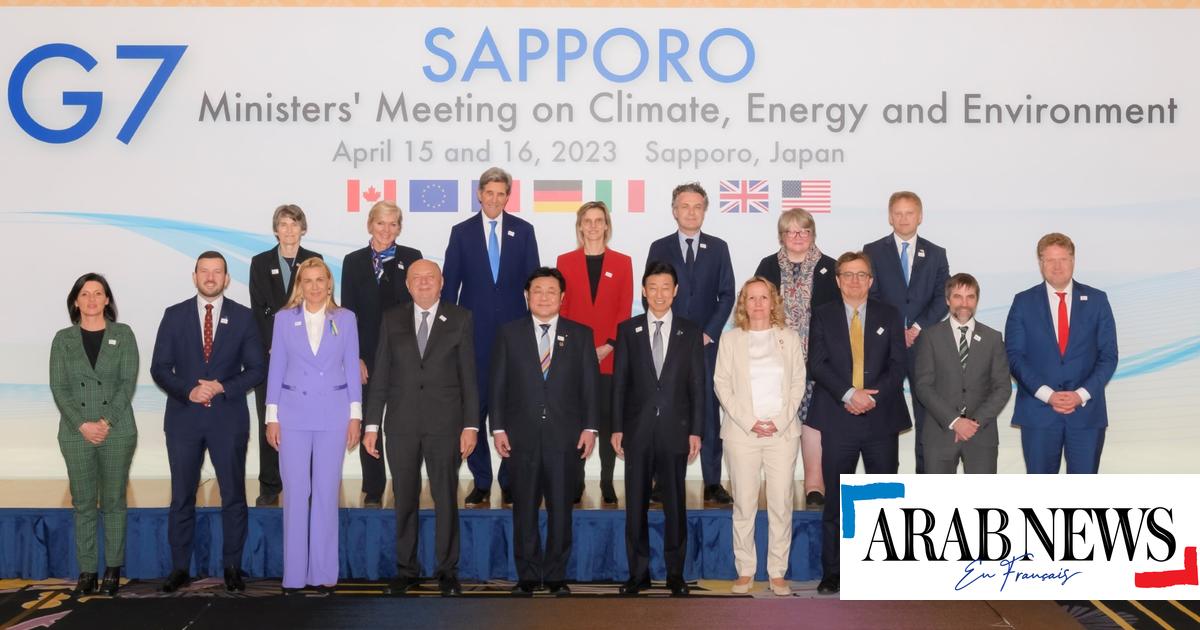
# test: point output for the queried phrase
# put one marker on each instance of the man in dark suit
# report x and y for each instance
(1062, 349)
(544, 419)
(425, 369)
(488, 259)
(658, 404)
(857, 360)
(373, 280)
(962, 380)
(271, 275)
(910, 274)
(705, 297)
(207, 356)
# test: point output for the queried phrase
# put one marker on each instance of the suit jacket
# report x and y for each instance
(825, 288)
(369, 299)
(945, 387)
(431, 395)
(830, 365)
(731, 380)
(705, 297)
(178, 363)
(664, 409)
(314, 391)
(267, 291)
(923, 301)
(553, 410)
(1033, 356)
(614, 297)
(86, 394)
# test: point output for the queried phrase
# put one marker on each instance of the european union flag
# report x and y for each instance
(433, 195)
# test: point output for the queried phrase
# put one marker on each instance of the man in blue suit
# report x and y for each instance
(910, 274)
(207, 356)
(488, 259)
(1062, 350)
(705, 297)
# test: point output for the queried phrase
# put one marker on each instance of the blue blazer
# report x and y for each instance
(923, 301)
(178, 363)
(314, 391)
(707, 296)
(468, 280)
(1032, 345)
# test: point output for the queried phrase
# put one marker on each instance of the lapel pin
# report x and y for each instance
(638, 329)
(224, 320)
(703, 245)
(512, 233)
(441, 318)
(976, 337)
(607, 274)
(274, 272)
(880, 331)
(1083, 298)
(920, 253)
(561, 338)
(112, 342)
(297, 324)
(678, 333)
(824, 270)
(400, 264)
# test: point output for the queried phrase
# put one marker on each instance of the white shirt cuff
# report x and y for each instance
(592, 430)
(1084, 396)
(272, 414)
(497, 431)
(848, 395)
(951, 426)
(475, 429)
(1044, 393)
(916, 325)
(372, 428)
(356, 410)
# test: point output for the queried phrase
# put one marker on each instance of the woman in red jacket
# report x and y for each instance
(600, 296)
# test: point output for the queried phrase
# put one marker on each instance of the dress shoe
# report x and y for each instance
(400, 585)
(175, 581)
(506, 497)
(449, 586)
(716, 496)
(233, 580)
(478, 498)
(814, 500)
(111, 582)
(679, 588)
(741, 587)
(608, 496)
(633, 587)
(373, 501)
(86, 584)
(780, 587)
(829, 585)
(267, 499)
(524, 589)
(558, 589)
(292, 592)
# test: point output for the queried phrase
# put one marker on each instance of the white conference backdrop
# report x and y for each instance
(139, 212)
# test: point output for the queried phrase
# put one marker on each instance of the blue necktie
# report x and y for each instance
(904, 261)
(494, 252)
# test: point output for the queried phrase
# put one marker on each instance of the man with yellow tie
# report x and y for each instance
(856, 357)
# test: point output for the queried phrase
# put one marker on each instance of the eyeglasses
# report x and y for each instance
(798, 233)
(854, 275)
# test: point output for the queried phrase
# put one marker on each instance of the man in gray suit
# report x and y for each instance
(961, 376)
(425, 375)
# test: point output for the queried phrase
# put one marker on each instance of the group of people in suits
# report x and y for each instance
(550, 362)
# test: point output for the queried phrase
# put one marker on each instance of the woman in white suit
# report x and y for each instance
(760, 382)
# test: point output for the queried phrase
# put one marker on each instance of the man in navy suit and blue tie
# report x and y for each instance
(207, 356)
(705, 298)
(1062, 350)
(910, 274)
(488, 259)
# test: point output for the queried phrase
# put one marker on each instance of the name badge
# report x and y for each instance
(976, 338)
(824, 270)
(703, 246)
(297, 324)
(224, 320)
(638, 329)
(920, 253)
(880, 331)
(112, 342)
(441, 318)
(1083, 298)
(511, 233)
(607, 274)
(274, 272)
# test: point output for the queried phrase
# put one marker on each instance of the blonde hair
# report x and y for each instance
(1055, 238)
(742, 320)
(297, 297)
(583, 210)
(388, 207)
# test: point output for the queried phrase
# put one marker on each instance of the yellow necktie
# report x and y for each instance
(856, 349)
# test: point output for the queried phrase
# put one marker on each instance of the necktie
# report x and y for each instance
(208, 332)
(544, 350)
(1064, 325)
(656, 349)
(494, 252)
(963, 348)
(904, 261)
(856, 350)
(423, 333)
(689, 260)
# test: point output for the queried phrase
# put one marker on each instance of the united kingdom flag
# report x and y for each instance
(740, 196)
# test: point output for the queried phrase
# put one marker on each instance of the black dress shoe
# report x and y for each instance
(86, 585)
(829, 585)
(679, 588)
(449, 586)
(478, 498)
(506, 497)
(716, 496)
(373, 501)
(608, 496)
(524, 589)
(814, 500)
(558, 589)
(267, 499)
(233, 580)
(400, 585)
(633, 587)
(176, 580)
(112, 581)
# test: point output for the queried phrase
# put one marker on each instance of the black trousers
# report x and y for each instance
(269, 481)
(644, 463)
(442, 460)
(540, 472)
(374, 471)
(839, 456)
(608, 456)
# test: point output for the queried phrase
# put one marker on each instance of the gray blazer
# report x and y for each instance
(945, 387)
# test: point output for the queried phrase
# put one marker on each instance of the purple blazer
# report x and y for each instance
(314, 392)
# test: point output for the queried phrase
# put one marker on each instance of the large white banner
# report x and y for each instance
(135, 138)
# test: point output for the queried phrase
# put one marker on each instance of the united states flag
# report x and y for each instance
(814, 195)
(744, 195)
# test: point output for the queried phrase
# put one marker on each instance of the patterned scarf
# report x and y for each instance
(379, 259)
(795, 287)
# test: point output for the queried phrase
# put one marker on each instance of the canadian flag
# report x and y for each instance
(355, 194)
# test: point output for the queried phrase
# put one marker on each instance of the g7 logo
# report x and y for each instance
(91, 101)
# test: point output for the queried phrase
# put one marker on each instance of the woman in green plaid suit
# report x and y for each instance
(93, 374)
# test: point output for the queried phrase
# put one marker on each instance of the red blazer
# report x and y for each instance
(614, 297)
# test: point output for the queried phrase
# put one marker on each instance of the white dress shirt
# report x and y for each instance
(766, 373)
(1045, 391)
(912, 258)
(683, 244)
(314, 325)
(201, 302)
(666, 329)
(487, 230)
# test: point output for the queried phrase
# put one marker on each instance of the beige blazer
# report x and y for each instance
(731, 380)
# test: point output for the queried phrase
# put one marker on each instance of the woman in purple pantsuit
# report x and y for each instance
(314, 409)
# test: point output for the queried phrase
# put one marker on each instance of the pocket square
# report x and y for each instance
(274, 272)
(880, 331)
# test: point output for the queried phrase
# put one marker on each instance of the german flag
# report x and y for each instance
(557, 195)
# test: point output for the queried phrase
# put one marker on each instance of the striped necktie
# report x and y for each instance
(544, 350)
(963, 348)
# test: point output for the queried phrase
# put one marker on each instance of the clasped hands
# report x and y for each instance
(205, 391)
(764, 428)
(964, 429)
(1065, 402)
(96, 431)
(861, 401)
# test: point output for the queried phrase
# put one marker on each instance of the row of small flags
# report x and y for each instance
(734, 196)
